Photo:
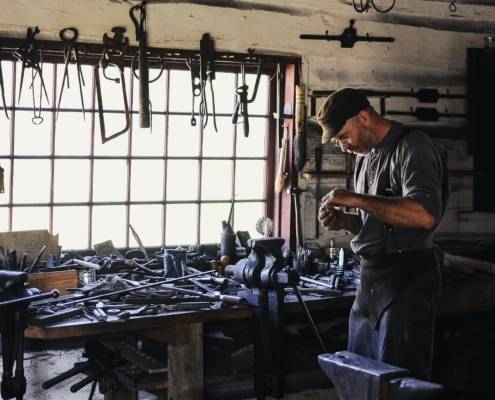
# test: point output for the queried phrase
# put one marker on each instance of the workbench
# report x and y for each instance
(183, 331)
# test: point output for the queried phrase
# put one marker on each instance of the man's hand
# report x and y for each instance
(338, 197)
(333, 219)
(330, 218)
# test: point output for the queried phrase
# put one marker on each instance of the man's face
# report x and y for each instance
(354, 137)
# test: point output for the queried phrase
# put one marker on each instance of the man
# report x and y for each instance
(400, 193)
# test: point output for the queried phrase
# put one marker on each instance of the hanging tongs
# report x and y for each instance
(203, 72)
(31, 56)
(69, 36)
(113, 55)
(241, 108)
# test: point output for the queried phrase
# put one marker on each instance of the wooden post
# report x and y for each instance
(185, 363)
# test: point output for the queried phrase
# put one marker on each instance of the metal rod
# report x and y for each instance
(309, 318)
(29, 299)
(316, 282)
(123, 291)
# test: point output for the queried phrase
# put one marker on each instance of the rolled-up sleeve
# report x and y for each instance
(421, 171)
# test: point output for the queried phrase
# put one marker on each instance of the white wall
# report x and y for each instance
(429, 51)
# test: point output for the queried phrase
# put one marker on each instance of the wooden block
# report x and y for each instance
(60, 280)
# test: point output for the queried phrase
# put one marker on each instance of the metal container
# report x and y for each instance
(86, 277)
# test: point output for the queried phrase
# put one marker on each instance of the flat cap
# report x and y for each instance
(338, 108)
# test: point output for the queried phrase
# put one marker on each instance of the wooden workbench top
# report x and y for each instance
(476, 293)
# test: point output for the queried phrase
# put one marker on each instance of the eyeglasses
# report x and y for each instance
(343, 138)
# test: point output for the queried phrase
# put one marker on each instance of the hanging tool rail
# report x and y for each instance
(53, 51)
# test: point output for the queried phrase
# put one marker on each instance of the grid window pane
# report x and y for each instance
(71, 223)
(182, 224)
(260, 104)
(255, 144)
(216, 180)
(185, 152)
(4, 134)
(109, 224)
(71, 181)
(29, 218)
(212, 216)
(71, 97)
(246, 215)
(73, 134)
(26, 99)
(221, 143)
(4, 219)
(182, 178)
(31, 181)
(183, 139)
(147, 220)
(148, 142)
(147, 180)
(157, 90)
(250, 179)
(110, 178)
(31, 139)
(181, 90)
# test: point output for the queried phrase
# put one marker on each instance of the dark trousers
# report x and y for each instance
(404, 332)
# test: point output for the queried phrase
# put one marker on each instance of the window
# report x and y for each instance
(173, 183)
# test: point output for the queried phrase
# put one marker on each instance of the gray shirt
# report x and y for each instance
(415, 171)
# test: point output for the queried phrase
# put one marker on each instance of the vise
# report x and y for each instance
(356, 377)
(265, 274)
(15, 298)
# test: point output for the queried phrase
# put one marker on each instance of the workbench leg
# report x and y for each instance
(185, 364)
(121, 394)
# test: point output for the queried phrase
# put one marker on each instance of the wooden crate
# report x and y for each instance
(60, 280)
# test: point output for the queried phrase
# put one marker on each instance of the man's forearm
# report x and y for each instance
(395, 211)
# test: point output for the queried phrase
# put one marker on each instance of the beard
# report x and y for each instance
(365, 143)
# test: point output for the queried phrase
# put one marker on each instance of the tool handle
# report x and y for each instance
(79, 385)
(66, 375)
(144, 95)
(229, 299)
(87, 264)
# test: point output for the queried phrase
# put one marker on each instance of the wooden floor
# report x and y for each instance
(43, 365)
